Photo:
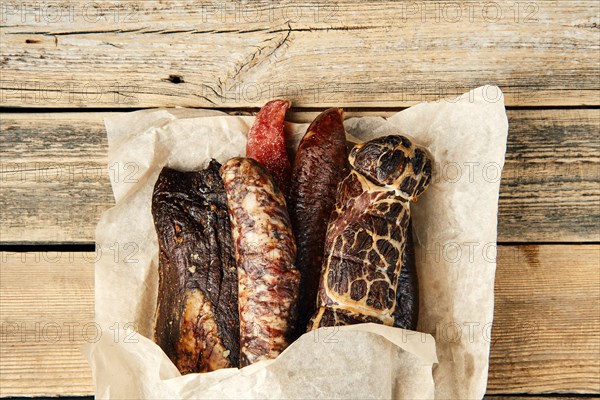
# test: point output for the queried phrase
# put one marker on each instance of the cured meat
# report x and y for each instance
(265, 252)
(266, 142)
(319, 167)
(197, 323)
(407, 293)
(367, 232)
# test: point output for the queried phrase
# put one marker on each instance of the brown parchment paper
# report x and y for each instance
(455, 238)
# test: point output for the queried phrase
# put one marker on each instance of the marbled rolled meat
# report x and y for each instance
(367, 232)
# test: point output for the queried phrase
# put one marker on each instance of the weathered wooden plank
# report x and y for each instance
(550, 188)
(46, 314)
(345, 53)
(546, 319)
(54, 176)
(544, 338)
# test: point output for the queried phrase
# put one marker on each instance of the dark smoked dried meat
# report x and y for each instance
(197, 323)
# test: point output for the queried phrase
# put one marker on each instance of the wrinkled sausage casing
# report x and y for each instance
(320, 164)
(407, 292)
(197, 323)
(265, 252)
(266, 142)
(367, 233)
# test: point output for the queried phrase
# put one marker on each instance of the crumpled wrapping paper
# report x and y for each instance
(455, 240)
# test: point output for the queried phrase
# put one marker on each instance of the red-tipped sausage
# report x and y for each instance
(319, 166)
(264, 252)
(266, 142)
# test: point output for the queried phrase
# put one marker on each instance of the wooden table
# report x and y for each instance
(68, 64)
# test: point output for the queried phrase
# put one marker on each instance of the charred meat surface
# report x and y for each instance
(265, 252)
(197, 323)
(319, 167)
(407, 293)
(367, 231)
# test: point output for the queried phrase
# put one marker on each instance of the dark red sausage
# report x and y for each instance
(319, 166)
(407, 292)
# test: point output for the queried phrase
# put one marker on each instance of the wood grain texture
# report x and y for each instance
(544, 338)
(52, 165)
(343, 53)
(546, 319)
(54, 176)
(46, 314)
(550, 188)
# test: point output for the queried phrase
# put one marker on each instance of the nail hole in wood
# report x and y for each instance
(175, 79)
